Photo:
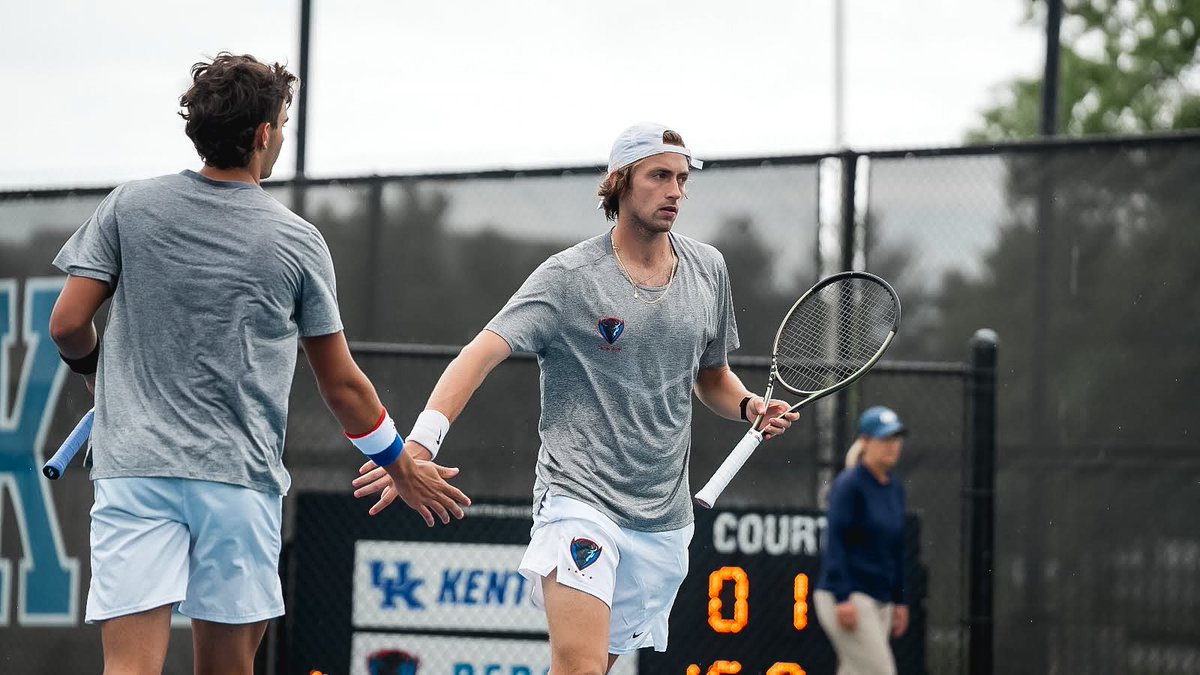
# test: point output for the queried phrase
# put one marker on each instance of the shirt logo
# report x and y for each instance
(611, 328)
(585, 552)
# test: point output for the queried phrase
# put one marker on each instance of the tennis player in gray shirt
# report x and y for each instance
(213, 282)
(626, 326)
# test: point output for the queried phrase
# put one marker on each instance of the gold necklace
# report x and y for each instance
(636, 290)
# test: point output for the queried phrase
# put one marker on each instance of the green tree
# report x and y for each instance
(1127, 67)
(1114, 226)
(1121, 238)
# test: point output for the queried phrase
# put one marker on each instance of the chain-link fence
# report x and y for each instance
(1077, 253)
(495, 442)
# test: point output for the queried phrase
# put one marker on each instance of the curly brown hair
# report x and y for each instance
(228, 100)
(614, 185)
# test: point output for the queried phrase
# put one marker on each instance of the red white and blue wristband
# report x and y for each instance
(381, 445)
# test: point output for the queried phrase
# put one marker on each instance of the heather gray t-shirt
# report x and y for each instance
(617, 376)
(214, 283)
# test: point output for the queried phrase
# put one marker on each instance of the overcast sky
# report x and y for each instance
(91, 88)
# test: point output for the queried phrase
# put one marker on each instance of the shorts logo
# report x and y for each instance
(584, 552)
(611, 329)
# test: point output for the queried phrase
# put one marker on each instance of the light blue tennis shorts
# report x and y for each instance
(213, 547)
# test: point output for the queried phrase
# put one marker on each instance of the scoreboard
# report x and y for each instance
(385, 594)
(746, 604)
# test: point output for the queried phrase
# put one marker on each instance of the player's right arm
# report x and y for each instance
(73, 327)
(449, 397)
(466, 372)
(352, 399)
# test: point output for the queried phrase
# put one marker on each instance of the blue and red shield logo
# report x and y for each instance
(611, 328)
(392, 662)
(584, 552)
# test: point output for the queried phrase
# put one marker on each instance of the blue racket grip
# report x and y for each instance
(56, 466)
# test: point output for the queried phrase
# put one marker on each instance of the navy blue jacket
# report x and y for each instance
(864, 540)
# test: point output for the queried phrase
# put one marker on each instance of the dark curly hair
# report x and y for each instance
(228, 100)
(615, 184)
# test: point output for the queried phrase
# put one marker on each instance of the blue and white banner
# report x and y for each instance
(449, 586)
(399, 654)
(45, 580)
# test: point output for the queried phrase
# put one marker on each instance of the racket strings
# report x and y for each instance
(833, 333)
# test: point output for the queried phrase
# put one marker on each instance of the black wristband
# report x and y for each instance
(85, 365)
(745, 402)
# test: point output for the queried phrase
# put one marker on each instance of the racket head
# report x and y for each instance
(834, 333)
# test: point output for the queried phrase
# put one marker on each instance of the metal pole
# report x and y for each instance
(839, 67)
(980, 502)
(302, 101)
(1050, 75)
(1044, 260)
(842, 406)
(374, 259)
(1041, 435)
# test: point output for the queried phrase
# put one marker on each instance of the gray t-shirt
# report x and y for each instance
(214, 282)
(617, 376)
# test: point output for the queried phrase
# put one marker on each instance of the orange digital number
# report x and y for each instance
(741, 608)
(782, 668)
(724, 668)
(800, 609)
(720, 668)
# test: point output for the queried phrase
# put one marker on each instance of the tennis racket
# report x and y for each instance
(56, 466)
(832, 336)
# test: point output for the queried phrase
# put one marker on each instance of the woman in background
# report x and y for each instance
(860, 595)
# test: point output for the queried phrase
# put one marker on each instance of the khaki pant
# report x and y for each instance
(865, 650)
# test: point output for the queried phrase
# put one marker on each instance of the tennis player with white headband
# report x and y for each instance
(626, 326)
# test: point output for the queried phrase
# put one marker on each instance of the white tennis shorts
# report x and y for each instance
(637, 574)
(213, 547)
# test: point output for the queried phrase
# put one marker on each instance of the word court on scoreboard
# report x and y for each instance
(388, 595)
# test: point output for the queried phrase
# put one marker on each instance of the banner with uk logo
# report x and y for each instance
(400, 654)
(442, 586)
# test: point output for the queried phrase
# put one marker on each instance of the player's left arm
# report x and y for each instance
(722, 391)
(73, 326)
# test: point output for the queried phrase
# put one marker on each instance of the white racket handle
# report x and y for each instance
(707, 496)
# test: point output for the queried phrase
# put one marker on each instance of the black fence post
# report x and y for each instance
(300, 183)
(979, 502)
(843, 407)
(302, 94)
(374, 261)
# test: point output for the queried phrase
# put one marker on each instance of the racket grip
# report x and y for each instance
(56, 466)
(707, 496)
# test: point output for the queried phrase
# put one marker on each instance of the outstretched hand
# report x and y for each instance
(776, 419)
(420, 484)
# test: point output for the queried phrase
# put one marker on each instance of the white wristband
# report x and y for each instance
(430, 430)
